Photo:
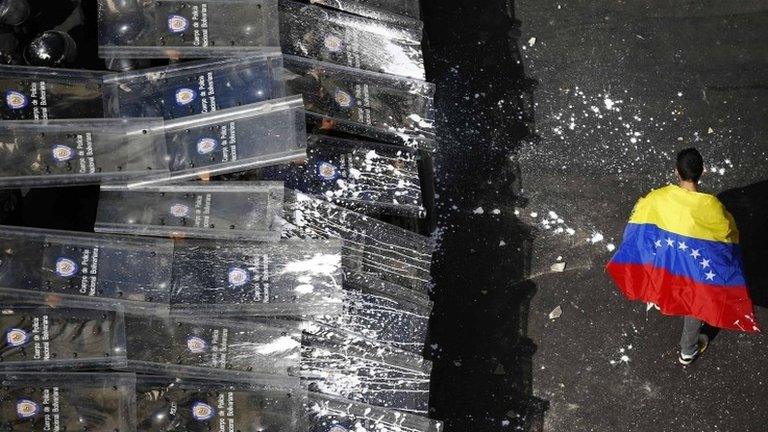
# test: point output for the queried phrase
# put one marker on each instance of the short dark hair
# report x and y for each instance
(690, 164)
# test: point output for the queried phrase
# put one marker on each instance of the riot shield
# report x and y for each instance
(376, 101)
(235, 211)
(236, 139)
(384, 312)
(169, 404)
(36, 93)
(371, 249)
(66, 152)
(212, 349)
(240, 279)
(32, 402)
(350, 40)
(86, 270)
(365, 176)
(344, 364)
(327, 413)
(186, 28)
(38, 336)
(325, 126)
(189, 88)
(403, 12)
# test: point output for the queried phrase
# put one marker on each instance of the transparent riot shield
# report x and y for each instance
(327, 413)
(371, 249)
(81, 151)
(403, 12)
(344, 364)
(240, 279)
(222, 210)
(372, 100)
(384, 312)
(39, 336)
(181, 404)
(67, 402)
(86, 270)
(189, 88)
(236, 139)
(36, 93)
(186, 28)
(350, 40)
(212, 349)
(365, 176)
(321, 125)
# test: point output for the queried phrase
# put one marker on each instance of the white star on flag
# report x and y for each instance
(710, 275)
(704, 263)
(695, 253)
(657, 243)
(670, 242)
(682, 246)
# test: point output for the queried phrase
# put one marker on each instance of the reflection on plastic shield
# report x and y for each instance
(403, 12)
(350, 40)
(366, 176)
(371, 249)
(236, 211)
(67, 402)
(236, 139)
(186, 29)
(171, 404)
(35, 93)
(290, 278)
(190, 88)
(344, 364)
(384, 312)
(380, 102)
(36, 336)
(87, 270)
(213, 349)
(333, 414)
(81, 151)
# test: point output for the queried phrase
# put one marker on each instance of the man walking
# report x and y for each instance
(680, 252)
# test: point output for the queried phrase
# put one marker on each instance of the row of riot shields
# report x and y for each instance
(143, 151)
(367, 36)
(149, 403)
(383, 107)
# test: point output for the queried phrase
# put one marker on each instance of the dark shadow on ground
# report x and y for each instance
(481, 377)
(749, 206)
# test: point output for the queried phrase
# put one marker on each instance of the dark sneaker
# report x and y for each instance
(703, 344)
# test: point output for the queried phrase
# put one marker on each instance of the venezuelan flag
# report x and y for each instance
(681, 252)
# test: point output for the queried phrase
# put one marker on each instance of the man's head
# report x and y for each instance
(690, 165)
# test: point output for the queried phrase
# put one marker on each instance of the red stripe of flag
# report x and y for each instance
(727, 307)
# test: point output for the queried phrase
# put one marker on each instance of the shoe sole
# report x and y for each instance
(703, 345)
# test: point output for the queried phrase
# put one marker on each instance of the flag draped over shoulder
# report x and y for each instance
(681, 252)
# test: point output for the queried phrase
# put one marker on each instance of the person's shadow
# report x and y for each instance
(749, 207)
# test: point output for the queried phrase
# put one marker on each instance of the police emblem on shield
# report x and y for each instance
(238, 277)
(177, 23)
(196, 345)
(179, 210)
(185, 96)
(15, 100)
(62, 153)
(327, 171)
(333, 43)
(206, 145)
(26, 408)
(65, 267)
(202, 411)
(16, 337)
(344, 99)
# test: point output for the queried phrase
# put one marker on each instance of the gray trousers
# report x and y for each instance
(689, 341)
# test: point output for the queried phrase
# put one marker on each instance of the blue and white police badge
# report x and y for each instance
(26, 408)
(179, 210)
(237, 276)
(206, 145)
(65, 267)
(15, 100)
(333, 43)
(344, 99)
(185, 96)
(202, 411)
(177, 23)
(196, 345)
(16, 337)
(327, 171)
(62, 153)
